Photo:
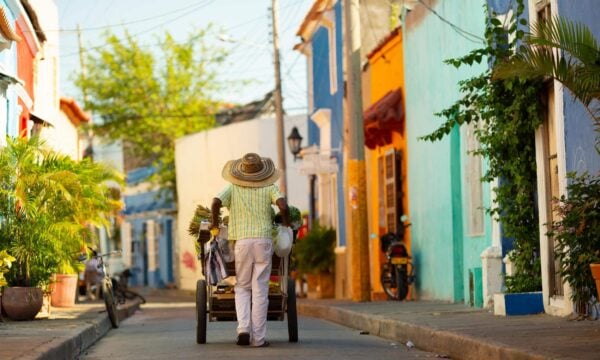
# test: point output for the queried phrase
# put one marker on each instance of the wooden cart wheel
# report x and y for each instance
(201, 312)
(292, 315)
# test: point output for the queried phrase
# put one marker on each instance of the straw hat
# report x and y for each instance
(251, 171)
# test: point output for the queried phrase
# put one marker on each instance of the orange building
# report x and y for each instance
(386, 150)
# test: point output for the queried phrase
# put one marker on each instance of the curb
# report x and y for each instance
(457, 346)
(84, 336)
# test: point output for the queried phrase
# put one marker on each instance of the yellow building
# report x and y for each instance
(386, 150)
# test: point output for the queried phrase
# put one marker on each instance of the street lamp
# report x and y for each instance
(295, 142)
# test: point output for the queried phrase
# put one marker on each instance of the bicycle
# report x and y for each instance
(121, 288)
(110, 300)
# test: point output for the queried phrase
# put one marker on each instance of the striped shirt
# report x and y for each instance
(250, 212)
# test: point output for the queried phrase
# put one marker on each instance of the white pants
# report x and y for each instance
(252, 272)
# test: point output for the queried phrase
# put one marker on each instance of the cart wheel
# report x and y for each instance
(292, 315)
(201, 312)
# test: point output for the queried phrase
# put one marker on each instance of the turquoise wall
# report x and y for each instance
(442, 249)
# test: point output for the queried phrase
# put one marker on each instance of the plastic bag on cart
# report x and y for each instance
(215, 264)
(226, 246)
(283, 241)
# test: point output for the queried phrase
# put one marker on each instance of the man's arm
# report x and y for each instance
(215, 210)
(284, 210)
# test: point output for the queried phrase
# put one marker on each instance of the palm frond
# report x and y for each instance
(576, 39)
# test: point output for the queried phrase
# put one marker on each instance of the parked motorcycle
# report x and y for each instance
(397, 274)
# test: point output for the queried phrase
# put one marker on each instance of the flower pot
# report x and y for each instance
(320, 286)
(596, 275)
(22, 303)
(63, 290)
(528, 303)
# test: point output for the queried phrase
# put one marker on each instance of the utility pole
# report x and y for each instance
(89, 135)
(81, 62)
(355, 168)
(278, 100)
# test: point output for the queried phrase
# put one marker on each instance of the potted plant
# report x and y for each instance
(5, 263)
(577, 237)
(47, 202)
(314, 256)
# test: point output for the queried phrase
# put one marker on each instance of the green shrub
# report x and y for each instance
(577, 236)
(314, 253)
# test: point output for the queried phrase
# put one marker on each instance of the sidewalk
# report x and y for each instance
(461, 332)
(65, 334)
(454, 330)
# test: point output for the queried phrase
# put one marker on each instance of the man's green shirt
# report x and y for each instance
(250, 212)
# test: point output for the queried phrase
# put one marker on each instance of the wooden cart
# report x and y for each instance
(217, 303)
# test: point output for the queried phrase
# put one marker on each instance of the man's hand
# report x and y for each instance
(215, 210)
(285, 211)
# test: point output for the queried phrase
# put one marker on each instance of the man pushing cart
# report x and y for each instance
(262, 289)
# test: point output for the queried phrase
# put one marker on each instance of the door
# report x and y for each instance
(552, 186)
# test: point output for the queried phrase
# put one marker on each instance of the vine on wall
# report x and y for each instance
(506, 112)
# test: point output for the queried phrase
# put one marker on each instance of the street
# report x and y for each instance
(167, 330)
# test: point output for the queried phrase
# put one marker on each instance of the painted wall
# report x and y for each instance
(63, 136)
(46, 91)
(441, 252)
(26, 50)
(149, 243)
(199, 160)
(580, 136)
(326, 59)
(385, 73)
(8, 95)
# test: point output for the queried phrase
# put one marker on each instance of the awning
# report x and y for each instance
(9, 79)
(383, 117)
(40, 119)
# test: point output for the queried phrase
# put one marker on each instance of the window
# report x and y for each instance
(474, 186)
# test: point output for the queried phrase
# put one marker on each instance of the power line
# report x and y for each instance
(463, 33)
(162, 15)
(144, 31)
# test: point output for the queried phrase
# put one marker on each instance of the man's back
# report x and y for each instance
(250, 212)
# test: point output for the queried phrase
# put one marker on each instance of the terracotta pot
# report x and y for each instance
(320, 286)
(22, 303)
(596, 275)
(63, 290)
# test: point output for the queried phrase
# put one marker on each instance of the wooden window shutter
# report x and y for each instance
(390, 191)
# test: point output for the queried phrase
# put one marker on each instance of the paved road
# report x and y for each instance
(167, 331)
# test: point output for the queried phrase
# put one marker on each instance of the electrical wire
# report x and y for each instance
(144, 31)
(463, 33)
(105, 27)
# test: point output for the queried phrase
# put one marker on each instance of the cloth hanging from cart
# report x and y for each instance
(215, 264)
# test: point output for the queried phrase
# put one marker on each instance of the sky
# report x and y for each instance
(246, 22)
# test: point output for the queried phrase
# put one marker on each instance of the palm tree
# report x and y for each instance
(563, 50)
(47, 201)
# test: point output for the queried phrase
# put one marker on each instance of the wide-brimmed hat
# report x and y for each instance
(251, 170)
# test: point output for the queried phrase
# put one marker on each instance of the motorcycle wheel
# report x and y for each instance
(388, 281)
(402, 283)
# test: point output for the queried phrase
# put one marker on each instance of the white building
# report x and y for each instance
(199, 159)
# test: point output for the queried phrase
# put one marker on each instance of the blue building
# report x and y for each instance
(321, 34)
(564, 143)
(148, 231)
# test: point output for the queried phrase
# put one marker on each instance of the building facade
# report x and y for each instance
(322, 43)
(445, 197)
(386, 150)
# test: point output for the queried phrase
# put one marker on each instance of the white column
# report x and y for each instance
(126, 244)
(151, 245)
(491, 259)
